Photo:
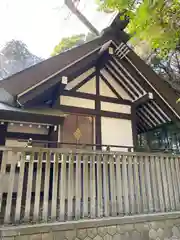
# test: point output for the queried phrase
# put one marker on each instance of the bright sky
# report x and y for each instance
(41, 24)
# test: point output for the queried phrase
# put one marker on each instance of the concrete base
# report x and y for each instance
(141, 227)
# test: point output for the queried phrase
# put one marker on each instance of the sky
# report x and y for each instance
(41, 24)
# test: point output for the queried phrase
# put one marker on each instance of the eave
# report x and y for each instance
(8, 113)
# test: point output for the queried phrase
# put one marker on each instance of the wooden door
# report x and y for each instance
(77, 129)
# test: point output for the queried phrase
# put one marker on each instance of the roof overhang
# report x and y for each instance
(8, 113)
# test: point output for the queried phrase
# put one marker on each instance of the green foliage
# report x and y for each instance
(155, 21)
(67, 43)
(178, 101)
(70, 42)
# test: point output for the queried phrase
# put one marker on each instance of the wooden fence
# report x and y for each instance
(40, 185)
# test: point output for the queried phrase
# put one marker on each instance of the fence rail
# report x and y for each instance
(60, 185)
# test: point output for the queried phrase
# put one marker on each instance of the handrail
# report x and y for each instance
(84, 151)
(77, 144)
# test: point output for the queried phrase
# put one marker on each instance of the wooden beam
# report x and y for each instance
(98, 129)
(26, 136)
(53, 137)
(93, 112)
(3, 133)
(90, 96)
(30, 117)
(142, 100)
(134, 126)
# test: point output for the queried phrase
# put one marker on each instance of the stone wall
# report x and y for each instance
(152, 227)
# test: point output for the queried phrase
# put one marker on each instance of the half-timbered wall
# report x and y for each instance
(96, 93)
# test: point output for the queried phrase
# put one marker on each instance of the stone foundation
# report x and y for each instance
(140, 227)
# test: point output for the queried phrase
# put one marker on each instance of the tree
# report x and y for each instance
(154, 21)
(167, 68)
(68, 43)
(73, 41)
(15, 57)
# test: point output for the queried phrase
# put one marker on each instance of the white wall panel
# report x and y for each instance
(116, 132)
(113, 107)
(26, 129)
(105, 90)
(89, 87)
(77, 102)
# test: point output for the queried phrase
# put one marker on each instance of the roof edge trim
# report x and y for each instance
(56, 73)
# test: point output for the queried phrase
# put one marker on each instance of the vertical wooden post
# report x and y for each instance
(98, 109)
(63, 186)
(99, 187)
(92, 187)
(55, 186)
(70, 186)
(159, 184)
(38, 186)
(78, 187)
(177, 169)
(148, 184)
(119, 185)
(85, 185)
(112, 186)
(105, 186)
(29, 187)
(125, 185)
(143, 185)
(131, 183)
(10, 188)
(165, 184)
(137, 185)
(154, 183)
(175, 184)
(170, 185)
(46, 187)
(5, 155)
(20, 187)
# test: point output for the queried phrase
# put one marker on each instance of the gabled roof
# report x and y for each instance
(19, 83)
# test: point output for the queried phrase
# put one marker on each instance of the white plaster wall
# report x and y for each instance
(116, 86)
(77, 102)
(113, 107)
(27, 129)
(79, 79)
(89, 87)
(105, 90)
(116, 132)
